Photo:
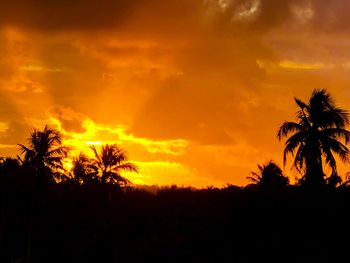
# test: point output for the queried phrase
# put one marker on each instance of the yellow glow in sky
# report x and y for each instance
(194, 101)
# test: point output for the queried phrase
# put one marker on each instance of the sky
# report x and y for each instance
(193, 90)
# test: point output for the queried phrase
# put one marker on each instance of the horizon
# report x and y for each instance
(195, 101)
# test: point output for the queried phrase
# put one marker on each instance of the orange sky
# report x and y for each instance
(194, 90)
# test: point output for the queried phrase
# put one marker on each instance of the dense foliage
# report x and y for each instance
(97, 223)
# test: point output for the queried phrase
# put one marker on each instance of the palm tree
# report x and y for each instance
(44, 153)
(42, 157)
(316, 136)
(110, 162)
(269, 175)
(83, 170)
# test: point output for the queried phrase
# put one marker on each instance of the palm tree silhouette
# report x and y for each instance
(83, 170)
(110, 162)
(43, 157)
(269, 175)
(315, 136)
(44, 153)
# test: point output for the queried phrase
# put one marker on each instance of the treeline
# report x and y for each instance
(44, 155)
(93, 214)
(104, 223)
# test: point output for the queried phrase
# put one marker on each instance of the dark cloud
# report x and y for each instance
(331, 16)
(319, 15)
(169, 17)
(92, 15)
(177, 17)
(62, 14)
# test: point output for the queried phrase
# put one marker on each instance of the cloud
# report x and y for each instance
(90, 15)
(273, 67)
(178, 82)
(12, 133)
(38, 68)
(162, 17)
(80, 132)
(67, 119)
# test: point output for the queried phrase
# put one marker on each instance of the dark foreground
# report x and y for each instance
(67, 223)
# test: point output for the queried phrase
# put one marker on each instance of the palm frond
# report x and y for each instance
(340, 149)
(253, 179)
(97, 155)
(53, 159)
(337, 133)
(130, 167)
(330, 160)
(118, 179)
(59, 151)
(334, 117)
(302, 105)
(320, 98)
(292, 143)
(299, 158)
(288, 127)
(23, 149)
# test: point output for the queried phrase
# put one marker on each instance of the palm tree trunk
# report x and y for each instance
(314, 176)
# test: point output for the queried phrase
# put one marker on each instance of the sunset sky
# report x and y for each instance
(193, 90)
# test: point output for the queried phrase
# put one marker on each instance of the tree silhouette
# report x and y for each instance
(83, 170)
(44, 153)
(109, 162)
(315, 136)
(269, 175)
(9, 166)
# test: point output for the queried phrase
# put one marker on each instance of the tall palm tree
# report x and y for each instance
(318, 134)
(109, 162)
(44, 153)
(269, 175)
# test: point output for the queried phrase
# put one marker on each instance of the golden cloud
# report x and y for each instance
(194, 92)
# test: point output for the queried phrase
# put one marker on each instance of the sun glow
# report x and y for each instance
(95, 134)
(92, 143)
(68, 164)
